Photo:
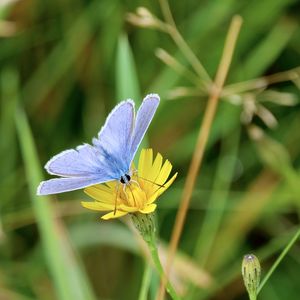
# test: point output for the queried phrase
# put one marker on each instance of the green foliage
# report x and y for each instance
(65, 64)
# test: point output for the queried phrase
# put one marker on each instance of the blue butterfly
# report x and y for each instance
(110, 155)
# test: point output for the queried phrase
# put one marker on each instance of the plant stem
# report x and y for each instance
(182, 45)
(261, 82)
(155, 257)
(145, 282)
(279, 259)
(252, 297)
(203, 135)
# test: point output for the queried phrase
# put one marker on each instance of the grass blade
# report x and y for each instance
(69, 279)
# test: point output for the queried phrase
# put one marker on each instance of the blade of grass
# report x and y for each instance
(214, 214)
(279, 259)
(69, 278)
(63, 55)
(127, 84)
(270, 47)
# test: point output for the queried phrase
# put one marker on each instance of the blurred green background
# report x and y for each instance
(66, 63)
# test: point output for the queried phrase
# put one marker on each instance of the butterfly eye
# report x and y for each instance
(122, 180)
(127, 177)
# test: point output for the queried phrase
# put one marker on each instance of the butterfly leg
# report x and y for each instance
(117, 193)
(135, 203)
(136, 182)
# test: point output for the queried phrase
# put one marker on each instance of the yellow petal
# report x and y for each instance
(148, 209)
(153, 172)
(167, 184)
(164, 173)
(145, 162)
(158, 191)
(97, 206)
(127, 208)
(114, 215)
(112, 184)
(100, 193)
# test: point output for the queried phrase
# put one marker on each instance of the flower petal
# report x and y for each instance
(114, 215)
(145, 162)
(155, 168)
(164, 173)
(127, 208)
(112, 184)
(100, 193)
(148, 209)
(97, 206)
(159, 191)
(167, 184)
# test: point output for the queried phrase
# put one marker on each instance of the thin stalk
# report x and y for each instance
(181, 44)
(279, 259)
(145, 282)
(159, 268)
(261, 82)
(252, 297)
(201, 142)
(179, 68)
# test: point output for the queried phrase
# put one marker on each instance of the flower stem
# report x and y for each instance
(145, 282)
(155, 257)
(279, 259)
(252, 297)
(145, 224)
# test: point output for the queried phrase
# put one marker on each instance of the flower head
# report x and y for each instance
(146, 184)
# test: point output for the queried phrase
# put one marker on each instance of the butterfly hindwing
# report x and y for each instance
(60, 185)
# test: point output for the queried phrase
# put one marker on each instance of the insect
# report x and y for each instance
(110, 155)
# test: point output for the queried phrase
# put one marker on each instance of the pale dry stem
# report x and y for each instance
(182, 45)
(203, 135)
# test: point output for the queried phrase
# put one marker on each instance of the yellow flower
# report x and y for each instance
(149, 182)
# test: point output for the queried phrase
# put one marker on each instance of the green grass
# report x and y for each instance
(66, 67)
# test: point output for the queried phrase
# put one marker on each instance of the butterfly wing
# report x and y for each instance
(83, 161)
(81, 167)
(143, 118)
(114, 139)
(60, 185)
(87, 165)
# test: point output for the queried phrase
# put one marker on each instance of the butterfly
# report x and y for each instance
(110, 155)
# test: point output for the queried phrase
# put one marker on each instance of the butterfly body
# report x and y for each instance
(110, 155)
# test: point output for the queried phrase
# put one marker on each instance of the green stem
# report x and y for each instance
(154, 252)
(279, 259)
(145, 282)
(252, 297)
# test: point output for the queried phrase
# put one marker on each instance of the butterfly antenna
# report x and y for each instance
(160, 185)
(132, 194)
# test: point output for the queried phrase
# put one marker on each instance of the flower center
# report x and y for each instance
(131, 194)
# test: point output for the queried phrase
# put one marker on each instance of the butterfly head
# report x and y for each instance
(125, 179)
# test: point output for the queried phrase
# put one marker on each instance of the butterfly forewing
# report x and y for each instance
(83, 161)
(114, 138)
(143, 119)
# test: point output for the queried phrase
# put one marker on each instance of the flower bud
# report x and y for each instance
(251, 274)
(145, 224)
(143, 18)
